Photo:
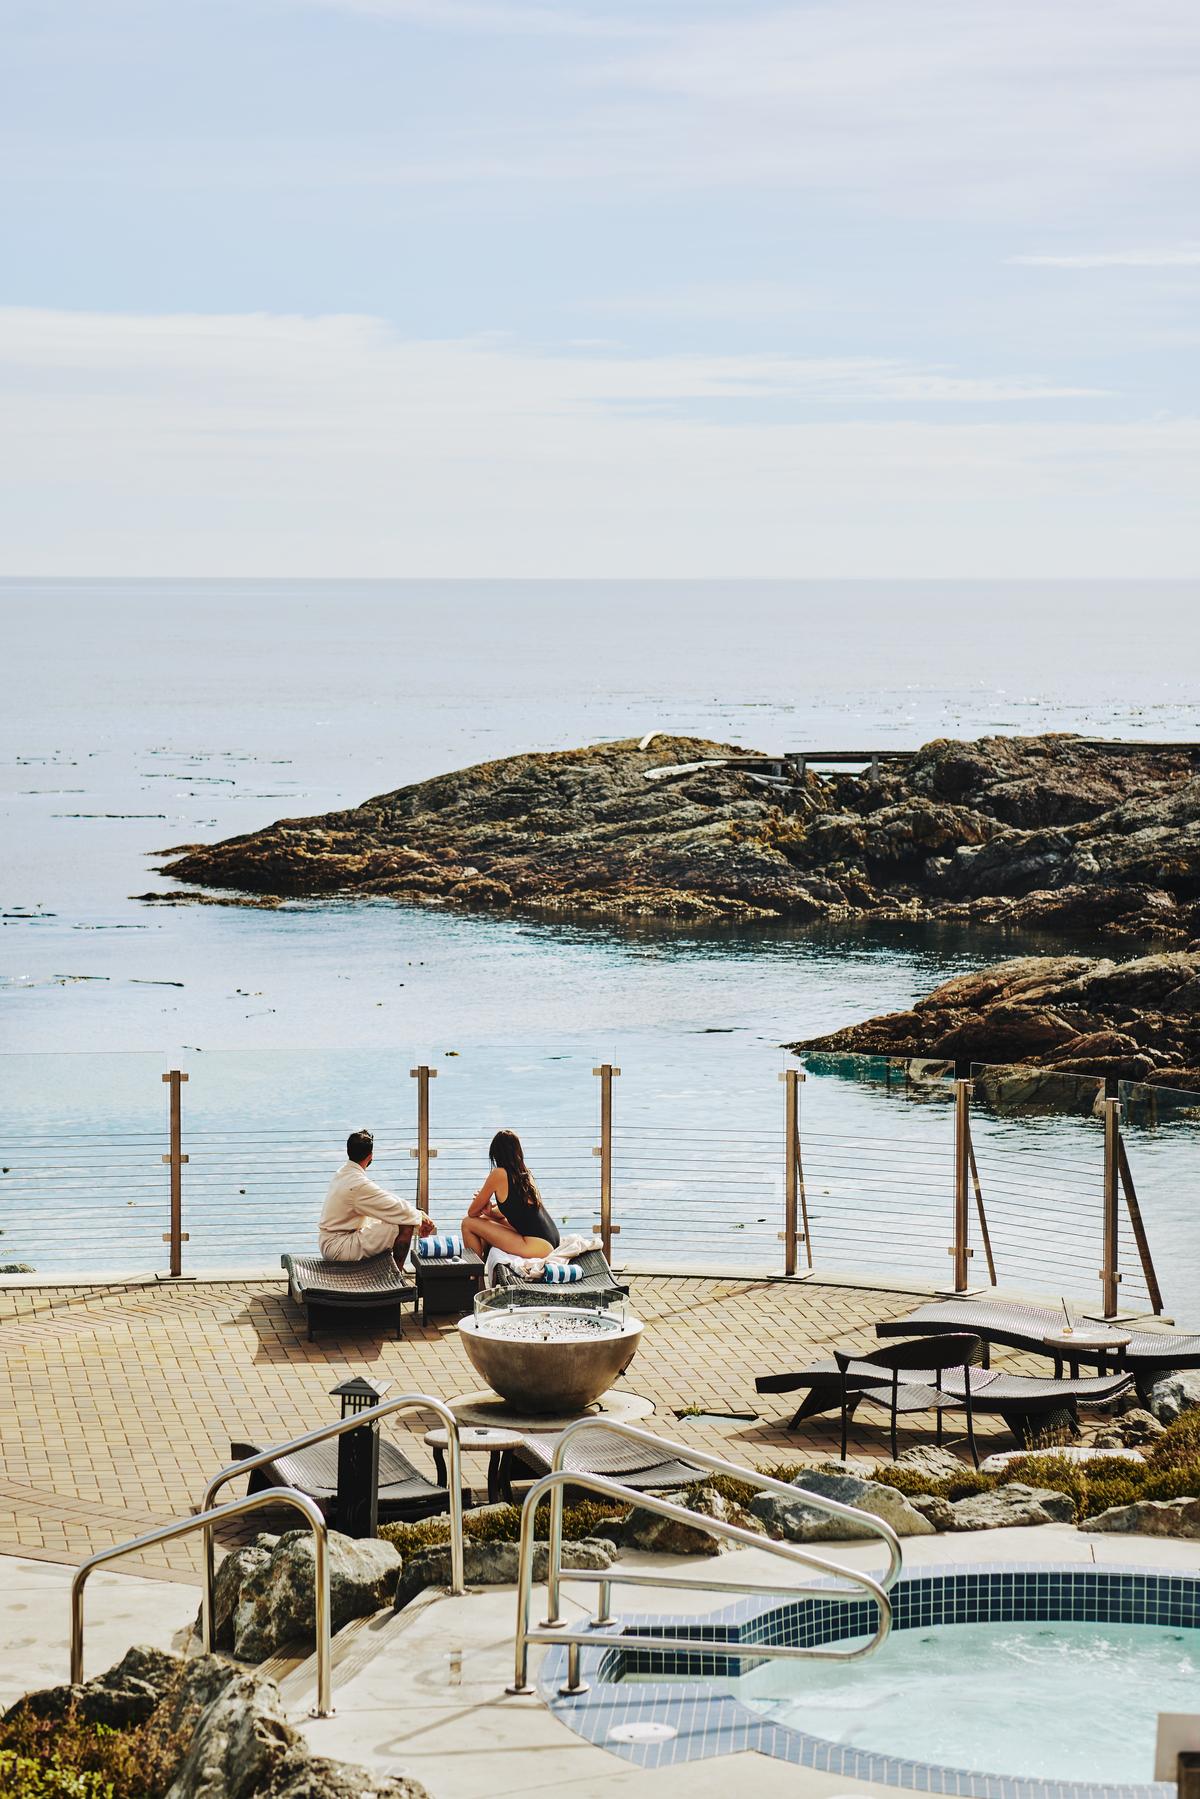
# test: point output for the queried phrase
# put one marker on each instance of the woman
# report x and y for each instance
(507, 1212)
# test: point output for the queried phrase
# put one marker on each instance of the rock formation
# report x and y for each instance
(1049, 831)
(1072, 1015)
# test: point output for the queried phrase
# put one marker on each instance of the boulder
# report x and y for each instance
(929, 1459)
(238, 1745)
(1151, 1518)
(234, 1573)
(667, 1536)
(494, 1564)
(126, 1694)
(860, 1467)
(270, 1598)
(304, 1776)
(793, 1521)
(1011, 1505)
(938, 1511)
(1132, 1428)
(1174, 1393)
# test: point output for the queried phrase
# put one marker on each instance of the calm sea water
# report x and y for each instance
(140, 716)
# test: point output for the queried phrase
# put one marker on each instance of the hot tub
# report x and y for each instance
(550, 1360)
(995, 1681)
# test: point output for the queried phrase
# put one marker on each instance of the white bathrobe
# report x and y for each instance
(360, 1218)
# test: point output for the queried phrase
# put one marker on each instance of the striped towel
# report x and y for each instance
(561, 1274)
(443, 1247)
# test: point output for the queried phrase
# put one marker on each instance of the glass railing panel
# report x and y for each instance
(82, 1181)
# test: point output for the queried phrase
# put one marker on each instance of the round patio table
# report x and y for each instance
(477, 1439)
(1083, 1337)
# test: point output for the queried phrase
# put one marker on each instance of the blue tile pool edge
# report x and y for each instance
(708, 1722)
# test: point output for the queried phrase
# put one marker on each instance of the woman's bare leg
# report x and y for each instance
(482, 1234)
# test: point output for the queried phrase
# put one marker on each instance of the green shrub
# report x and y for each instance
(1179, 1443)
(1056, 1472)
(737, 1492)
(21, 1778)
(66, 1758)
(1180, 1480)
(909, 1481)
(502, 1524)
(967, 1484)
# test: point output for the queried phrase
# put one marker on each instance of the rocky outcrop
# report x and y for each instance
(229, 1736)
(1042, 1021)
(795, 1522)
(1174, 1394)
(1151, 1518)
(667, 1536)
(1014, 1504)
(495, 1564)
(265, 1594)
(1048, 831)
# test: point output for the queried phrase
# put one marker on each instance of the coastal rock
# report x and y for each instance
(929, 1459)
(1012, 1505)
(269, 1596)
(939, 1512)
(1050, 831)
(795, 1522)
(1151, 1518)
(1050, 1028)
(667, 1536)
(125, 1694)
(494, 1564)
(1173, 1394)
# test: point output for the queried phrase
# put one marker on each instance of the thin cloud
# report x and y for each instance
(1182, 256)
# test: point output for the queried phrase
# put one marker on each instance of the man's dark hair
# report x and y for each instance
(360, 1145)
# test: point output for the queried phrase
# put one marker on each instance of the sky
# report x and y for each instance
(594, 287)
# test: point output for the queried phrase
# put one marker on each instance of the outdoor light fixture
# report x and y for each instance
(357, 1502)
(359, 1394)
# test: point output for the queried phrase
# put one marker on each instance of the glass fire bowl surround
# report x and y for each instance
(1005, 1681)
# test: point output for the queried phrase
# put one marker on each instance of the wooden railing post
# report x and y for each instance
(795, 1208)
(423, 1154)
(1110, 1278)
(606, 1229)
(962, 1199)
(175, 1160)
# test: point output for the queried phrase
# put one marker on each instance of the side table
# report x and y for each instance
(477, 1439)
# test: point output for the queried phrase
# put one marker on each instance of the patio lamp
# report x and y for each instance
(356, 1507)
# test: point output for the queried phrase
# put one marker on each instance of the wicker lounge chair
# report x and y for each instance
(404, 1492)
(634, 1464)
(1026, 1327)
(598, 1283)
(343, 1288)
(939, 1375)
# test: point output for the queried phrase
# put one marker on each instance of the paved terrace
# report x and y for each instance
(118, 1401)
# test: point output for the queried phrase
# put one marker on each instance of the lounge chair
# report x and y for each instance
(1147, 1353)
(938, 1376)
(404, 1492)
(323, 1288)
(598, 1283)
(446, 1285)
(636, 1464)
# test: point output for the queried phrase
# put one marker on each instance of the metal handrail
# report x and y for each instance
(252, 1502)
(665, 1508)
(403, 1402)
(684, 1452)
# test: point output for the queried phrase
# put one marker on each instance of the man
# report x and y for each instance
(360, 1218)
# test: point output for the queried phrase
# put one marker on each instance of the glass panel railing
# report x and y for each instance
(1038, 1139)
(82, 1182)
(1161, 1176)
(877, 1140)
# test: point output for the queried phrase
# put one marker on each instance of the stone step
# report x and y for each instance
(354, 1647)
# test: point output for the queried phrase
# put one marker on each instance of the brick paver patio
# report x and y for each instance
(118, 1402)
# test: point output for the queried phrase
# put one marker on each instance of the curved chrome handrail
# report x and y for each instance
(403, 1402)
(684, 1452)
(252, 1502)
(665, 1508)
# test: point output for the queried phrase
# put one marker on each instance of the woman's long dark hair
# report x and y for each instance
(506, 1152)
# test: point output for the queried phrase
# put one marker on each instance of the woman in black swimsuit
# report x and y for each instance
(507, 1212)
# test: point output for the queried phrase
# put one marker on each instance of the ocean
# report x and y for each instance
(143, 715)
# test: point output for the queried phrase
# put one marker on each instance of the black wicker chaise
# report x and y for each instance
(939, 1374)
(598, 1283)
(360, 1289)
(1147, 1353)
(404, 1492)
(635, 1465)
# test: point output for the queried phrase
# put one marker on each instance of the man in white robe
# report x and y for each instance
(360, 1218)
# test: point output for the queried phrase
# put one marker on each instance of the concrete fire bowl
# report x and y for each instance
(550, 1359)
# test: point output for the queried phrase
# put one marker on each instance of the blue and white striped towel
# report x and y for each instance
(561, 1274)
(443, 1247)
